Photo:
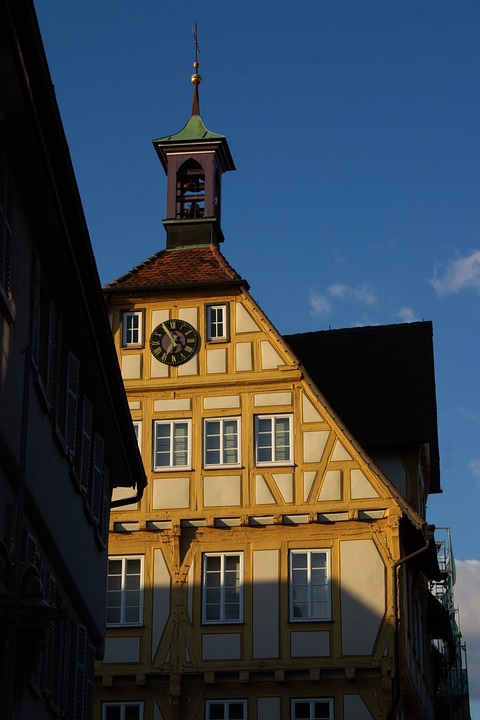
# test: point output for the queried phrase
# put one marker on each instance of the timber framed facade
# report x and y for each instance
(277, 565)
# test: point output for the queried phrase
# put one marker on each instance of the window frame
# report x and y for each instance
(137, 428)
(122, 706)
(123, 590)
(309, 552)
(273, 417)
(172, 423)
(222, 450)
(141, 328)
(310, 700)
(212, 324)
(226, 703)
(222, 620)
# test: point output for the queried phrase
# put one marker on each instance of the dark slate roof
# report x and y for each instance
(379, 380)
(185, 268)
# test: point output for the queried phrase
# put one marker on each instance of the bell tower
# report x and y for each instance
(194, 160)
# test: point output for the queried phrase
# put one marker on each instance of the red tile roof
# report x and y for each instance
(179, 269)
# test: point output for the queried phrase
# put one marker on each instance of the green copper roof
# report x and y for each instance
(193, 130)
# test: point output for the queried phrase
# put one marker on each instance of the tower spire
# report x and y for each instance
(196, 78)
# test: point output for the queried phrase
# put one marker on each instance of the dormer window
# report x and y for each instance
(190, 202)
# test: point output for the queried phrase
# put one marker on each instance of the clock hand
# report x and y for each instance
(172, 339)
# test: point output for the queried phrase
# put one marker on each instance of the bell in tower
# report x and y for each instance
(194, 160)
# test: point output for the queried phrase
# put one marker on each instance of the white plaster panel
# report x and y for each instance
(126, 527)
(172, 404)
(309, 412)
(362, 583)
(159, 316)
(371, 514)
(340, 453)
(217, 361)
(276, 398)
(223, 490)
(122, 650)
(121, 493)
(222, 646)
(268, 708)
(360, 486)
(332, 486)
(157, 714)
(243, 320)
(189, 368)
(243, 356)
(310, 644)
(284, 482)
(190, 315)
(392, 467)
(263, 495)
(131, 367)
(308, 480)
(354, 707)
(134, 405)
(161, 598)
(191, 573)
(265, 604)
(314, 445)
(225, 401)
(332, 517)
(157, 369)
(270, 358)
(170, 493)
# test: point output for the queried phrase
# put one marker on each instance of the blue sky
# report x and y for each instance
(354, 126)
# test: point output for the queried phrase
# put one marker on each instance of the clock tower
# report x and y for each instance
(194, 160)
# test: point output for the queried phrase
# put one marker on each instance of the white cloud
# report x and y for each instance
(321, 303)
(467, 592)
(467, 414)
(474, 467)
(345, 292)
(461, 274)
(407, 314)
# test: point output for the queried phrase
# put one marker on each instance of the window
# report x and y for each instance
(125, 590)
(217, 322)
(226, 710)
(132, 328)
(137, 427)
(122, 711)
(171, 444)
(190, 200)
(221, 442)
(312, 709)
(273, 440)
(309, 585)
(222, 588)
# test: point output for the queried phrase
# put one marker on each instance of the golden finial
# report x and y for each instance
(196, 78)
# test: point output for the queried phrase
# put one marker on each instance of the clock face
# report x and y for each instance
(173, 342)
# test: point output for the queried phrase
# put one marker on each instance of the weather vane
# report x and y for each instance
(196, 78)
(195, 38)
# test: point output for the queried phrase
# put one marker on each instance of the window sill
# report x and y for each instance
(227, 466)
(173, 469)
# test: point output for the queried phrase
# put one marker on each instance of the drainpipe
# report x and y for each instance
(128, 500)
(396, 630)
